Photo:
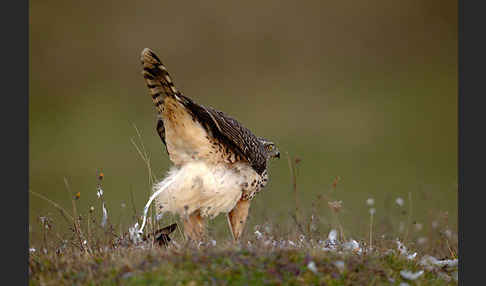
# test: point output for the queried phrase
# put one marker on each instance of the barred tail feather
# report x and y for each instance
(157, 79)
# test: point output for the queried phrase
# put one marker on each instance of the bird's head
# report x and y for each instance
(271, 150)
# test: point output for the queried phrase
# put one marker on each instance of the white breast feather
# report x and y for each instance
(211, 189)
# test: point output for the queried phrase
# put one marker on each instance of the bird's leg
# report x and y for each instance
(194, 226)
(237, 218)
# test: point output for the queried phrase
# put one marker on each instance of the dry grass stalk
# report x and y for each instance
(77, 226)
(64, 213)
(409, 218)
(151, 178)
(293, 177)
(146, 159)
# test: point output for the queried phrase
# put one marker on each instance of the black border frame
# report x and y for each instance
(15, 131)
(471, 65)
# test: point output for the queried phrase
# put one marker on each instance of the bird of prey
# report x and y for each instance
(218, 164)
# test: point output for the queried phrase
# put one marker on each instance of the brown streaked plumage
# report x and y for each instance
(219, 165)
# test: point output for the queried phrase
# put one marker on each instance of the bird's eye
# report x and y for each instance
(270, 147)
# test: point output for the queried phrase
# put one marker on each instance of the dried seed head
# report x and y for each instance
(336, 181)
(335, 205)
(399, 201)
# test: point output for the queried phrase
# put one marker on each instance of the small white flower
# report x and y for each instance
(401, 247)
(99, 193)
(31, 250)
(429, 261)
(85, 242)
(340, 265)
(370, 201)
(45, 221)
(274, 243)
(403, 284)
(448, 233)
(258, 234)
(312, 267)
(285, 244)
(421, 240)
(134, 234)
(301, 238)
(412, 256)
(403, 250)
(352, 245)
(411, 275)
(399, 201)
(388, 252)
(418, 226)
(332, 236)
(123, 205)
(331, 241)
(372, 211)
(435, 224)
(313, 227)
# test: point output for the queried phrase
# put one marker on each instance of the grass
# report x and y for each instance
(224, 265)
(96, 252)
(259, 261)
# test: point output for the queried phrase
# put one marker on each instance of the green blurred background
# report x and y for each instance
(364, 90)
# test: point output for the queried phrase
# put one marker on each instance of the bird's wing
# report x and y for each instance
(230, 132)
(223, 127)
(161, 131)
